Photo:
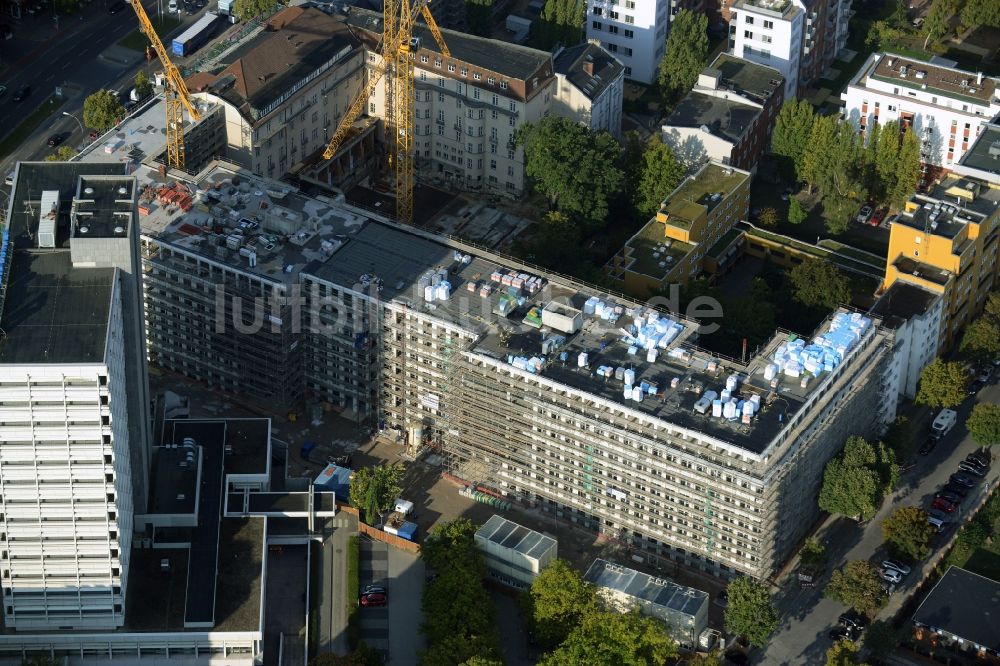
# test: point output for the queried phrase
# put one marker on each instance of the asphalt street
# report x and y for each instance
(807, 615)
(70, 59)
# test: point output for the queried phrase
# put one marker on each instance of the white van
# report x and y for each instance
(173, 7)
(943, 423)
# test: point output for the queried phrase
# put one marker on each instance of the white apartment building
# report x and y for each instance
(799, 38)
(72, 388)
(947, 107)
(634, 31)
(468, 106)
(590, 87)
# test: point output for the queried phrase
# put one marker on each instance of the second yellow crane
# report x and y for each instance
(397, 67)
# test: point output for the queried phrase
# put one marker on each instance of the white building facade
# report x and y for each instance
(590, 88)
(634, 31)
(769, 32)
(948, 108)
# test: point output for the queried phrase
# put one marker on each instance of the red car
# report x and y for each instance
(373, 599)
(944, 505)
(877, 217)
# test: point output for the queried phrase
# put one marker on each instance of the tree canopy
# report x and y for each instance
(842, 653)
(102, 110)
(245, 10)
(818, 283)
(686, 52)
(937, 21)
(660, 175)
(796, 213)
(609, 637)
(981, 13)
(790, 137)
(942, 384)
(561, 22)
(374, 490)
(907, 532)
(143, 86)
(859, 586)
(575, 167)
(880, 640)
(749, 611)
(556, 603)
(982, 336)
(855, 481)
(364, 655)
(62, 154)
(984, 424)
(812, 553)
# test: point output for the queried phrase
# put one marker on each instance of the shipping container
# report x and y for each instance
(195, 37)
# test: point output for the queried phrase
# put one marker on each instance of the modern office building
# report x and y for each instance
(670, 248)
(799, 38)
(683, 609)
(946, 241)
(590, 86)
(518, 378)
(947, 107)
(514, 554)
(728, 115)
(634, 31)
(74, 407)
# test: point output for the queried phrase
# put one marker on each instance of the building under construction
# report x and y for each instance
(543, 391)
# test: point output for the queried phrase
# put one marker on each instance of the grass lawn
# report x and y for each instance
(981, 556)
(29, 125)
(137, 41)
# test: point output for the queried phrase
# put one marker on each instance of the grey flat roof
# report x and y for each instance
(54, 313)
(748, 78)
(173, 487)
(516, 537)
(966, 605)
(901, 302)
(725, 118)
(660, 591)
(979, 157)
(518, 62)
(109, 206)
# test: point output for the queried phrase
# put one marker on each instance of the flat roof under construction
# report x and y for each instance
(509, 534)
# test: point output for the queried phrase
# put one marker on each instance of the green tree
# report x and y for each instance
(607, 637)
(796, 214)
(143, 86)
(660, 175)
(364, 655)
(982, 337)
(942, 384)
(842, 653)
(855, 481)
(981, 13)
(561, 22)
(749, 611)
(880, 640)
(102, 110)
(481, 661)
(937, 22)
(556, 603)
(375, 489)
(813, 553)
(906, 174)
(686, 52)
(62, 154)
(573, 166)
(859, 586)
(899, 434)
(819, 156)
(790, 137)
(984, 424)
(479, 17)
(245, 10)
(907, 532)
(768, 218)
(883, 34)
(818, 283)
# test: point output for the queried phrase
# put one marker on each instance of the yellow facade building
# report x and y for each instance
(671, 247)
(947, 241)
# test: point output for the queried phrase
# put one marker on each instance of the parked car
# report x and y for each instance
(9, 180)
(838, 634)
(955, 489)
(976, 461)
(928, 445)
(373, 599)
(852, 618)
(948, 496)
(962, 480)
(942, 504)
(969, 468)
(982, 457)
(891, 576)
(877, 217)
(371, 589)
(340, 461)
(985, 374)
(722, 598)
(865, 214)
(55, 140)
(896, 565)
(22, 93)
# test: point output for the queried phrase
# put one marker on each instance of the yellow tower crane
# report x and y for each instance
(175, 95)
(396, 48)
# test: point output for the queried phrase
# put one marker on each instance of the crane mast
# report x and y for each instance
(176, 97)
(397, 69)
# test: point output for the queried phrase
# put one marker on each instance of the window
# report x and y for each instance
(490, 80)
(496, 101)
(628, 71)
(612, 48)
(749, 20)
(477, 76)
(629, 4)
(613, 29)
(748, 34)
(371, 108)
(768, 25)
(440, 83)
(513, 107)
(629, 34)
(451, 67)
(613, 15)
(503, 85)
(437, 62)
(510, 171)
(423, 58)
(493, 165)
(630, 20)
(465, 71)
(440, 97)
(597, 25)
(598, 11)
(423, 75)
(766, 39)
(628, 52)
(475, 93)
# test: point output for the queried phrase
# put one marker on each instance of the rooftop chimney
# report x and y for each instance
(979, 78)
(588, 67)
